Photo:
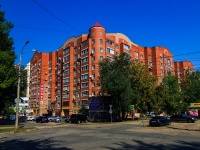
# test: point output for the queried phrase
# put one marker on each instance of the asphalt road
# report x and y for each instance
(101, 136)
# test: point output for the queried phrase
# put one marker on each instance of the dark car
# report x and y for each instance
(159, 121)
(22, 118)
(182, 118)
(78, 118)
(42, 119)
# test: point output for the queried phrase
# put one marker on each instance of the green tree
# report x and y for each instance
(115, 81)
(83, 110)
(191, 87)
(7, 67)
(169, 95)
(143, 86)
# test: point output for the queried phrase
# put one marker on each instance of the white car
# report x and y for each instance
(31, 118)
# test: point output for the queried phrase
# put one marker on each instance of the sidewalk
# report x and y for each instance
(175, 125)
(186, 126)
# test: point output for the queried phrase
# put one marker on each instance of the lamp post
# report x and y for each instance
(18, 87)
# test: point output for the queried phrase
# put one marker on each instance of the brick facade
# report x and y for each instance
(72, 71)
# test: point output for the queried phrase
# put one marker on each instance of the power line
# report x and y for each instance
(187, 54)
(43, 29)
(55, 16)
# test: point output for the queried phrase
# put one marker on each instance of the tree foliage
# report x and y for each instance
(191, 87)
(169, 95)
(127, 82)
(83, 110)
(115, 81)
(7, 67)
(143, 86)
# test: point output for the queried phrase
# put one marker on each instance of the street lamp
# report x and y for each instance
(18, 87)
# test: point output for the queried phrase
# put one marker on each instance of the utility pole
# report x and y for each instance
(18, 87)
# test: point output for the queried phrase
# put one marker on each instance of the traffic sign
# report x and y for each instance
(17, 100)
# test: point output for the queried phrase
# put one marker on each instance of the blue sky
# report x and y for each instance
(47, 24)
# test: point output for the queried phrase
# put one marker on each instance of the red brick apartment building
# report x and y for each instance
(62, 81)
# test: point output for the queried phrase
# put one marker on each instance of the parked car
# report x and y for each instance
(52, 119)
(22, 118)
(12, 117)
(150, 114)
(31, 118)
(182, 118)
(42, 119)
(159, 121)
(78, 118)
(34, 118)
(62, 119)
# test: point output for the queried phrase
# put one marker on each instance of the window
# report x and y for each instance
(66, 72)
(66, 66)
(110, 42)
(85, 43)
(85, 51)
(111, 51)
(93, 41)
(84, 76)
(126, 47)
(75, 58)
(101, 57)
(93, 93)
(85, 84)
(101, 49)
(65, 80)
(117, 54)
(66, 88)
(93, 67)
(85, 93)
(93, 84)
(85, 60)
(149, 56)
(150, 63)
(117, 46)
(136, 54)
(101, 41)
(93, 58)
(93, 50)
(66, 50)
(65, 103)
(85, 68)
(84, 102)
(66, 58)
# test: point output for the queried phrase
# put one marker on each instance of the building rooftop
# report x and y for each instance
(97, 25)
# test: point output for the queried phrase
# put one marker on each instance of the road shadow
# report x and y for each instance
(140, 145)
(19, 144)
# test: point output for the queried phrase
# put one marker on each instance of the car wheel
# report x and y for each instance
(78, 121)
(188, 120)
